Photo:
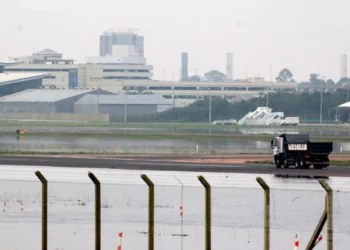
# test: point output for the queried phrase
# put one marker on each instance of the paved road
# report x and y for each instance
(164, 165)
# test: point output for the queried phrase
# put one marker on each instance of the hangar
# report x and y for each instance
(11, 83)
(136, 106)
(44, 100)
(343, 112)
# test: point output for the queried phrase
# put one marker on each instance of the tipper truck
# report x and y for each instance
(298, 150)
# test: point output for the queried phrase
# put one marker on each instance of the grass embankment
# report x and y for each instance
(162, 125)
(345, 163)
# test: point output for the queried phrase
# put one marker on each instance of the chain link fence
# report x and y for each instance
(237, 210)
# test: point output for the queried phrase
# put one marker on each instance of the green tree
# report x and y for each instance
(215, 76)
(285, 75)
(314, 79)
(304, 105)
(330, 82)
(194, 78)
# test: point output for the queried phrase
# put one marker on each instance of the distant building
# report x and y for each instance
(137, 106)
(120, 42)
(104, 73)
(44, 100)
(184, 66)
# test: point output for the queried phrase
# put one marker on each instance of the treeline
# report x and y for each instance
(304, 105)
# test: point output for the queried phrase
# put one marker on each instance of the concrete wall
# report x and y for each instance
(55, 117)
(22, 107)
(116, 112)
(85, 109)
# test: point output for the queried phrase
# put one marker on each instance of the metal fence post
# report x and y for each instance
(150, 211)
(329, 198)
(44, 210)
(266, 212)
(97, 210)
(207, 212)
(318, 229)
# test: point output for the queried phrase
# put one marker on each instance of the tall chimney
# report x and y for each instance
(343, 66)
(184, 66)
(229, 66)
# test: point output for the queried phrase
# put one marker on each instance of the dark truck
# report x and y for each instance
(298, 150)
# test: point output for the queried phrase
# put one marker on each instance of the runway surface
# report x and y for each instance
(162, 163)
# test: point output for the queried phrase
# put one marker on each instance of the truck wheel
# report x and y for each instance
(285, 165)
(278, 164)
(303, 165)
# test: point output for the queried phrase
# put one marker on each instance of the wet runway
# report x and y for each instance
(163, 164)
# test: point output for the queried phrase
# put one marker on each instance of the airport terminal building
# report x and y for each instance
(65, 74)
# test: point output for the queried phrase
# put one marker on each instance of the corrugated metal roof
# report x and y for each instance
(48, 52)
(344, 105)
(11, 77)
(43, 95)
(120, 99)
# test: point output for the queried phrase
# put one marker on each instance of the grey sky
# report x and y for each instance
(303, 35)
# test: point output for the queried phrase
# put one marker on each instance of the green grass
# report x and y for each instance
(163, 125)
(172, 136)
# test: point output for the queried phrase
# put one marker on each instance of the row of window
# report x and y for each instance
(126, 78)
(35, 70)
(209, 88)
(127, 70)
(66, 70)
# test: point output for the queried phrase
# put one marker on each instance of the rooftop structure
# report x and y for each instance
(344, 105)
(43, 57)
(120, 37)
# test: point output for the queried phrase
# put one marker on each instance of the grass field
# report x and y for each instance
(163, 125)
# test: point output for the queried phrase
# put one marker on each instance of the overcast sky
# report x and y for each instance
(302, 35)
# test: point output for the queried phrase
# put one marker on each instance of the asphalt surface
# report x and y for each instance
(167, 165)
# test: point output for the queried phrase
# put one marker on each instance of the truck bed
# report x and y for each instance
(320, 147)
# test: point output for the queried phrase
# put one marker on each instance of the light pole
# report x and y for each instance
(267, 99)
(209, 106)
(126, 106)
(321, 101)
(125, 101)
